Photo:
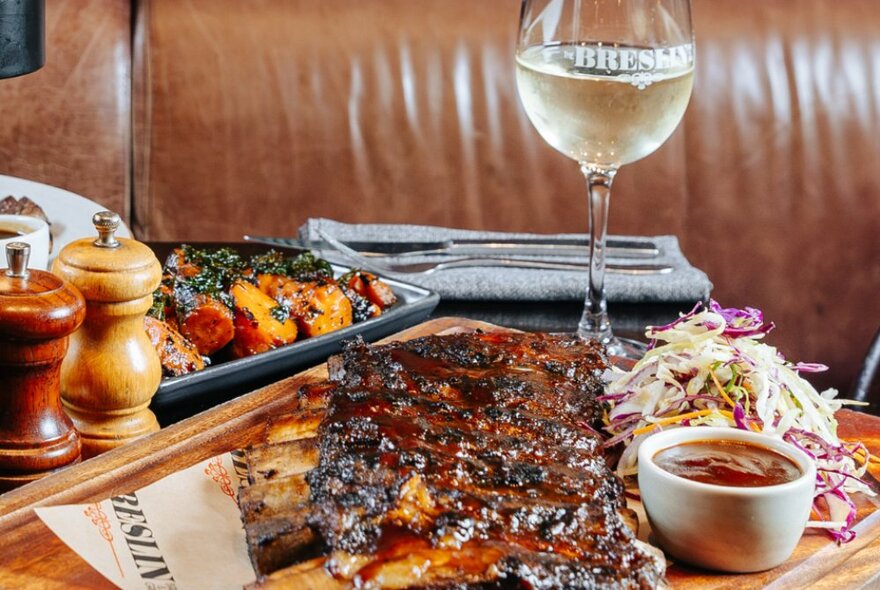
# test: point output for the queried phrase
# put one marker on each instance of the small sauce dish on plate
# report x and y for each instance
(30, 230)
(725, 499)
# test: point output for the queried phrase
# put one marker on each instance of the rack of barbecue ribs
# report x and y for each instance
(457, 461)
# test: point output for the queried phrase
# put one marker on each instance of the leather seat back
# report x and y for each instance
(256, 115)
(69, 123)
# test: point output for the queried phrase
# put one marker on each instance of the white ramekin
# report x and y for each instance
(732, 529)
(35, 233)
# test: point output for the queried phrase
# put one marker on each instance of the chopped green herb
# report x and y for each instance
(218, 269)
(345, 278)
(280, 312)
(160, 301)
(305, 267)
(272, 262)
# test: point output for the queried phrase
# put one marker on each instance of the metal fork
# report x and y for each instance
(425, 268)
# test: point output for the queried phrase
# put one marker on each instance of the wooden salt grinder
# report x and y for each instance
(112, 370)
(37, 313)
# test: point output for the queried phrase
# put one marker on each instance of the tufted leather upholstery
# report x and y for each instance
(69, 123)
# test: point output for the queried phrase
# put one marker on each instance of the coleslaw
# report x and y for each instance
(709, 367)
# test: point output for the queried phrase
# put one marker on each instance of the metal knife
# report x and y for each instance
(616, 247)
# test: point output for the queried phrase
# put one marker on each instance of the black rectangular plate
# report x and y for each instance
(180, 397)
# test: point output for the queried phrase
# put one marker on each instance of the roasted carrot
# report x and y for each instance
(373, 288)
(207, 322)
(318, 306)
(261, 324)
(178, 355)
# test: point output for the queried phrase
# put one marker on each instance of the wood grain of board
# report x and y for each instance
(32, 557)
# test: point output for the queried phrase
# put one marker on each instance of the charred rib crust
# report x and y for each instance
(472, 452)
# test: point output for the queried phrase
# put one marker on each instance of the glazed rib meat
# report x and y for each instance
(467, 461)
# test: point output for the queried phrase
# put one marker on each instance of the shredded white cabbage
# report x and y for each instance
(710, 368)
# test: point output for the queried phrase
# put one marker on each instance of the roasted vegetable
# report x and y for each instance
(163, 304)
(178, 355)
(371, 287)
(207, 322)
(271, 284)
(194, 295)
(215, 270)
(217, 297)
(305, 267)
(259, 325)
(362, 308)
(317, 306)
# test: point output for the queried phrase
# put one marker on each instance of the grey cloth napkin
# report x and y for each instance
(684, 284)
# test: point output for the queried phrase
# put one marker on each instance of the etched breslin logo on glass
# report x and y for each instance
(640, 67)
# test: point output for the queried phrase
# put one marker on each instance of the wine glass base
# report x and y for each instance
(623, 352)
(623, 348)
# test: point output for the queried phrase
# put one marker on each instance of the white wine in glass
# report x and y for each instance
(605, 82)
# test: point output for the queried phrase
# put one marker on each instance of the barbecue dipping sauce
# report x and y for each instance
(728, 463)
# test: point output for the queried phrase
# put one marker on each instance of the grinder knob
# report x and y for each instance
(106, 222)
(17, 256)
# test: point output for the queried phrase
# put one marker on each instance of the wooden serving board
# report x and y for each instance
(33, 557)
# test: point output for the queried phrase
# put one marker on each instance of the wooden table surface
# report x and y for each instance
(33, 557)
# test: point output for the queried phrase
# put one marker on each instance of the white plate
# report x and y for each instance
(69, 213)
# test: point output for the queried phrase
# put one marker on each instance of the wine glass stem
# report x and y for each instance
(594, 321)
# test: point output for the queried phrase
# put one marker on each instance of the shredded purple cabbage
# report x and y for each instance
(739, 416)
(748, 324)
(678, 321)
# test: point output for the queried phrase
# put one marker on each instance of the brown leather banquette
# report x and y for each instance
(69, 123)
(252, 116)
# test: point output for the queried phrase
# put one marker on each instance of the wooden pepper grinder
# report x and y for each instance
(112, 370)
(37, 313)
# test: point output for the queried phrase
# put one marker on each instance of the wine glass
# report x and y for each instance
(605, 82)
